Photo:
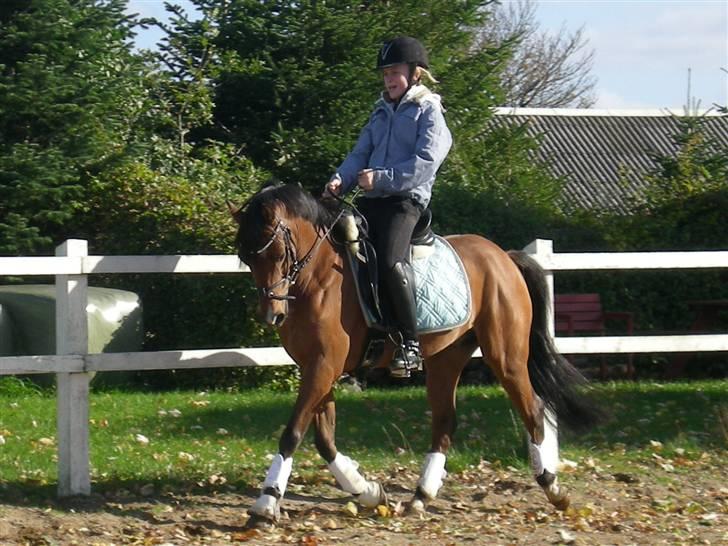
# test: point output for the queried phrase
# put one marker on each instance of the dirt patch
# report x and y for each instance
(484, 505)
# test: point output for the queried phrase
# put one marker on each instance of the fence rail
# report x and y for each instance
(74, 366)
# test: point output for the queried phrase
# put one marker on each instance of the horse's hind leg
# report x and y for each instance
(443, 374)
(509, 362)
(344, 469)
(544, 456)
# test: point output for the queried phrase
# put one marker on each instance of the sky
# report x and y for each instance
(643, 48)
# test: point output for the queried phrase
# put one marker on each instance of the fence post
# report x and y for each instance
(542, 250)
(72, 388)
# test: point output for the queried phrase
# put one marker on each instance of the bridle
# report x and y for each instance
(296, 265)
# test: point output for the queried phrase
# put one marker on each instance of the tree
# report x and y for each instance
(699, 166)
(686, 198)
(294, 82)
(545, 70)
(70, 94)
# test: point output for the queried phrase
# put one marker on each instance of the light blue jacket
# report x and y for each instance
(404, 147)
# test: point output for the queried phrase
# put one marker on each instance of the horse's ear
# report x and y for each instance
(235, 211)
(272, 182)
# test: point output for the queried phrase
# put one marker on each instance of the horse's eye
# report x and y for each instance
(246, 257)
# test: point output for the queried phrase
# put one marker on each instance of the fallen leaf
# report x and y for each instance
(218, 479)
(708, 519)
(399, 508)
(566, 537)
(141, 439)
(383, 511)
(245, 536)
(566, 465)
(350, 509)
(185, 457)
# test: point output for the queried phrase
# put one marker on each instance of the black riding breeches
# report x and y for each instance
(391, 223)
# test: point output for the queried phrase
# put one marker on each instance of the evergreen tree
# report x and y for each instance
(684, 205)
(294, 82)
(70, 95)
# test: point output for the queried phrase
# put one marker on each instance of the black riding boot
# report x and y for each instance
(401, 288)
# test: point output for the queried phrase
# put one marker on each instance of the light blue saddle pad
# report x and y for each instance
(442, 289)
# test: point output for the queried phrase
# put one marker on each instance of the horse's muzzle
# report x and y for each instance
(274, 315)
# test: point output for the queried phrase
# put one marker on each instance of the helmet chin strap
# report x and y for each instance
(410, 79)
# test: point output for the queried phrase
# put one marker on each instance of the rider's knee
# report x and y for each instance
(400, 272)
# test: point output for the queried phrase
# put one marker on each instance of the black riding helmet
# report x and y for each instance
(402, 49)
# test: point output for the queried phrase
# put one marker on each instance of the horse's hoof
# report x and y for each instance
(560, 499)
(561, 503)
(266, 508)
(259, 522)
(558, 496)
(372, 496)
(416, 507)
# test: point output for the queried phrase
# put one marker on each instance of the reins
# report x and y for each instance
(297, 265)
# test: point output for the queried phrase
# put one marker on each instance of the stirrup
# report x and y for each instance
(406, 359)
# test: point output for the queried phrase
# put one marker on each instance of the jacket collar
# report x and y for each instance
(418, 94)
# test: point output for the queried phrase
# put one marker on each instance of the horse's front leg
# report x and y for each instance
(316, 383)
(344, 469)
(443, 373)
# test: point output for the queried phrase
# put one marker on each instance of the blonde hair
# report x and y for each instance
(420, 71)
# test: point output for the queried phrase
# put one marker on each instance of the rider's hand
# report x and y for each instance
(333, 187)
(366, 179)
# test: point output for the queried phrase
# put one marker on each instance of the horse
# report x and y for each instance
(308, 294)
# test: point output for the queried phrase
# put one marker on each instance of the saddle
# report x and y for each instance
(440, 306)
(362, 260)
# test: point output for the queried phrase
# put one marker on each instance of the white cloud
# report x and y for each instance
(673, 35)
(613, 100)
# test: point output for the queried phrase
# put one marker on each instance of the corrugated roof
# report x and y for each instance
(604, 155)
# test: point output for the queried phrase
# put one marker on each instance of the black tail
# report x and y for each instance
(555, 379)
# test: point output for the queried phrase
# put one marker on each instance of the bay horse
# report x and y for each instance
(308, 293)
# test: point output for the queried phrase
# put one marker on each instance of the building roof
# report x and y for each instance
(604, 155)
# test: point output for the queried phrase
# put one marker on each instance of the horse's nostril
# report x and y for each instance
(279, 319)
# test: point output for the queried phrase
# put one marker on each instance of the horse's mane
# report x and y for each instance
(254, 215)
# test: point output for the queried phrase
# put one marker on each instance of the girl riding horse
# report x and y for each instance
(307, 292)
(394, 162)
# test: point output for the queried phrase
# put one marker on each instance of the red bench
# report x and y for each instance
(583, 314)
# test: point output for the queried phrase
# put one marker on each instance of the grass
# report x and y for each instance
(209, 439)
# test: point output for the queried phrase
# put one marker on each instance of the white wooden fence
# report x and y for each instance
(74, 366)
